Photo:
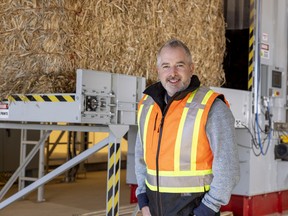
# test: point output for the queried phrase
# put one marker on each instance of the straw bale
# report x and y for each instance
(36, 37)
(123, 36)
(43, 42)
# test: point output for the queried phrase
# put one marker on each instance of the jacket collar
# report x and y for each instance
(157, 91)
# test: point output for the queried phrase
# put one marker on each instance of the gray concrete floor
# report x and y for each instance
(84, 196)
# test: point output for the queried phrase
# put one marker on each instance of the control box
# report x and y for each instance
(272, 81)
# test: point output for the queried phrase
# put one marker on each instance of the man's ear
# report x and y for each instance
(192, 67)
(156, 69)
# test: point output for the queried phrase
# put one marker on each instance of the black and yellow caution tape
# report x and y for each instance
(42, 98)
(251, 45)
(113, 179)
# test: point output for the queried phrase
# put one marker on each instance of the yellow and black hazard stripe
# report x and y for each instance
(112, 207)
(251, 45)
(42, 98)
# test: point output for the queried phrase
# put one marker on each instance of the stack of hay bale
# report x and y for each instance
(43, 42)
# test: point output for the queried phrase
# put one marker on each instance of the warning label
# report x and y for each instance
(4, 111)
(3, 106)
(4, 114)
(264, 51)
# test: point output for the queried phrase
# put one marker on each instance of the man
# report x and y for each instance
(186, 159)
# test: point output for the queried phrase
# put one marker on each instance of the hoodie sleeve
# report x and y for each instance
(226, 170)
(140, 171)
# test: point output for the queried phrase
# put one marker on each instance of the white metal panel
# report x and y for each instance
(282, 175)
(44, 111)
(240, 104)
(125, 88)
(259, 174)
(263, 173)
(243, 186)
(93, 81)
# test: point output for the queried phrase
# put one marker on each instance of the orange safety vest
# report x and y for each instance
(185, 157)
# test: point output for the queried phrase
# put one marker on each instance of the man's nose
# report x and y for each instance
(173, 70)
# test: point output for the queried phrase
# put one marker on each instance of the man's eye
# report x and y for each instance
(180, 65)
(166, 67)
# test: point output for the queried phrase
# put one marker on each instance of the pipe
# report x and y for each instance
(257, 57)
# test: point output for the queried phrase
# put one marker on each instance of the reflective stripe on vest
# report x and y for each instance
(185, 175)
(144, 112)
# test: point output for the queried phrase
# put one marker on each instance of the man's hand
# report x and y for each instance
(203, 210)
(145, 211)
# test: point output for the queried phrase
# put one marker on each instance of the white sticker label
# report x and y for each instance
(264, 37)
(264, 54)
(4, 114)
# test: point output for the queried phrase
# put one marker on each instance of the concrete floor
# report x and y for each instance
(85, 196)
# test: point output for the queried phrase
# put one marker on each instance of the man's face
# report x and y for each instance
(174, 69)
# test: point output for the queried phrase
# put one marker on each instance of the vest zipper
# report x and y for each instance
(155, 122)
(158, 197)
(160, 129)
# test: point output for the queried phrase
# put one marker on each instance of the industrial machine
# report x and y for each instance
(103, 102)
(261, 111)
(261, 133)
(100, 98)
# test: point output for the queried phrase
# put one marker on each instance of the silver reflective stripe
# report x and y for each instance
(189, 128)
(180, 181)
(142, 119)
(202, 91)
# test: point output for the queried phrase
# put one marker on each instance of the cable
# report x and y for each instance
(258, 130)
(254, 144)
(257, 142)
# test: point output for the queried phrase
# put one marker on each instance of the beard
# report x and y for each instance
(174, 85)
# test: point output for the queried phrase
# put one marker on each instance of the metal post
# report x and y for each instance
(41, 172)
(113, 169)
(23, 149)
(257, 58)
(251, 44)
(113, 178)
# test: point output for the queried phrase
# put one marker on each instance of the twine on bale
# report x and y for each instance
(43, 42)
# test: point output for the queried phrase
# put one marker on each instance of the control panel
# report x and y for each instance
(272, 81)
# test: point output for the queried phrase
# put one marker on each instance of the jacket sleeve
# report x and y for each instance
(140, 171)
(226, 171)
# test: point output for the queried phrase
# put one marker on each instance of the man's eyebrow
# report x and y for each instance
(181, 62)
(165, 63)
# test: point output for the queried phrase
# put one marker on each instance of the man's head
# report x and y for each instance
(174, 66)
